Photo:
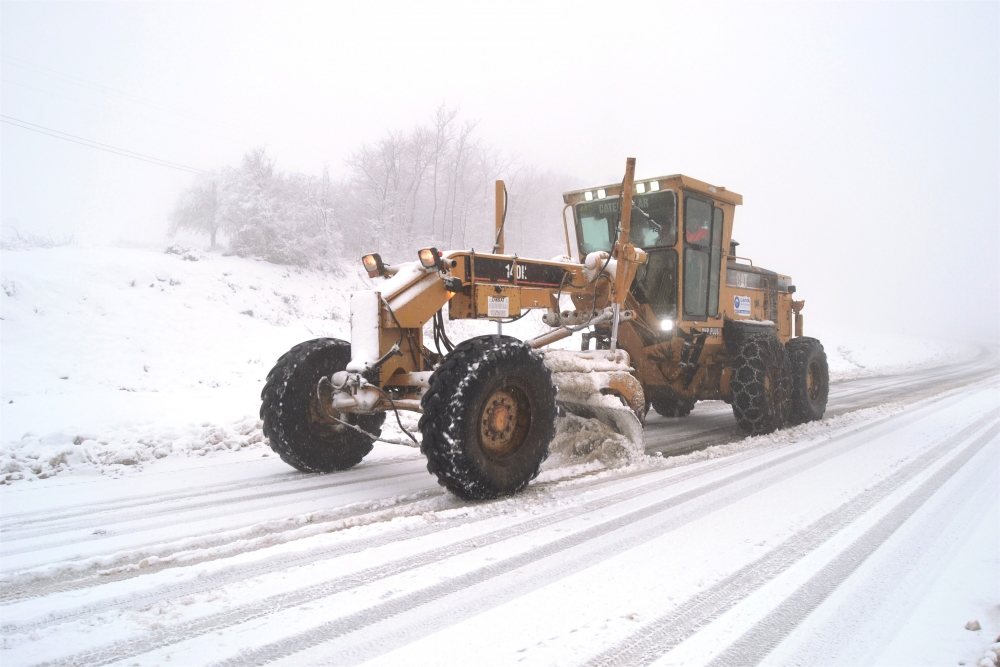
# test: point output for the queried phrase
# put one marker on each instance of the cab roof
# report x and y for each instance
(674, 182)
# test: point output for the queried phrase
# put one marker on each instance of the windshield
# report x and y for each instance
(653, 225)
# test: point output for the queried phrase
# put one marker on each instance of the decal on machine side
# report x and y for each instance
(491, 270)
(497, 306)
(741, 305)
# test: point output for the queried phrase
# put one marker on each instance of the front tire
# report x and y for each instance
(761, 384)
(810, 380)
(488, 417)
(298, 427)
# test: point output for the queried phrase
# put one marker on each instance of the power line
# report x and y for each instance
(252, 135)
(41, 129)
(125, 113)
(56, 74)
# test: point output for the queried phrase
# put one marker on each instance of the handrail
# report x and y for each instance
(569, 249)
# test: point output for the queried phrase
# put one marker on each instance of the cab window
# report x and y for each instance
(702, 257)
(656, 283)
(653, 223)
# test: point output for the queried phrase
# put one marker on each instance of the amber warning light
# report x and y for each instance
(373, 265)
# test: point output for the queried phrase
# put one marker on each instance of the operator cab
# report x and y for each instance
(660, 208)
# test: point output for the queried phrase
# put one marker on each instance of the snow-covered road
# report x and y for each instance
(869, 538)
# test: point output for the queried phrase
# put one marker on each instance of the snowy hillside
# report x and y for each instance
(113, 357)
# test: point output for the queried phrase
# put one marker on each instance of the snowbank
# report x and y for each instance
(853, 355)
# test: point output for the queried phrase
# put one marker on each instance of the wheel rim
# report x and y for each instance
(813, 382)
(504, 421)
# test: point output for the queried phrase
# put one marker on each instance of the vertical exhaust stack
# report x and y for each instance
(501, 216)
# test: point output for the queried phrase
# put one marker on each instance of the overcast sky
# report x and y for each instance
(865, 137)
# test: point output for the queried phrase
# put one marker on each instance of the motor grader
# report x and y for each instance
(669, 315)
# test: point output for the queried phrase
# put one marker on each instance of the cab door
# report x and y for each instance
(702, 257)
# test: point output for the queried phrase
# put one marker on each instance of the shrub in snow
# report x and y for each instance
(186, 254)
(16, 240)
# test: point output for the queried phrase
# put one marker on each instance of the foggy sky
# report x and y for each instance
(865, 138)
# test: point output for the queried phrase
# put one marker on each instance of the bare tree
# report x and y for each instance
(197, 210)
(429, 186)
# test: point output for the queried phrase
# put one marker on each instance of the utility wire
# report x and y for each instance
(125, 113)
(47, 71)
(252, 136)
(41, 129)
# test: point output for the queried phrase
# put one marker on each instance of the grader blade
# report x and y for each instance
(599, 385)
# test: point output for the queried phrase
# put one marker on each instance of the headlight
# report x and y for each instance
(667, 325)
(373, 265)
(430, 258)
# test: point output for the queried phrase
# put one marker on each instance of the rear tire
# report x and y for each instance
(671, 407)
(297, 426)
(761, 384)
(488, 418)
(810, 380)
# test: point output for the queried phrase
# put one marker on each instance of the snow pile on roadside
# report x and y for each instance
(117, 452)
(854, 355)
(125, 451)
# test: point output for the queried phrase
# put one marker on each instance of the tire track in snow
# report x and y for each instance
(133, 566)
(88, 509)
(754, 479)
(160, 509)
(194, 549)
(527, 578)
(137, 563)
(130, 648)
(941, 535)
(180, 553)
(754, 645)
(668, 631)
(283, 562)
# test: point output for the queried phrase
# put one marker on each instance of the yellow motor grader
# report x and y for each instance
(672, 314)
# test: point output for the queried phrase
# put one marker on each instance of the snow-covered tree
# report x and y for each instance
(430, 186)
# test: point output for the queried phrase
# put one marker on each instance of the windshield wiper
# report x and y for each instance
(659, 227)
